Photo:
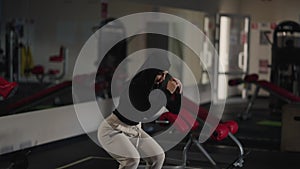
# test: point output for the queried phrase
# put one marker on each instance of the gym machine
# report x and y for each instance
(285, 68)
(14, 31)
(53, 74)
(279, 93)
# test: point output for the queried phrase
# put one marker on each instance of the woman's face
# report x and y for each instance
(160, 77)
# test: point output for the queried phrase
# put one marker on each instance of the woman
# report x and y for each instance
(121, 135)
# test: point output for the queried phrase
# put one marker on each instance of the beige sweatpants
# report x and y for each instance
(121, 142)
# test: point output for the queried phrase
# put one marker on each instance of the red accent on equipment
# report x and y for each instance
(279, 90)
(232, 126)
(38, 70)
(188, 117)
(7, 88)
(53, 72)
(56, 58)
(38, 95)
(235, 82)
(221, 132)
(179, 123)
(251, 78)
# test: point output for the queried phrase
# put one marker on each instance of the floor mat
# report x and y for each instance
(269, 123)
(91, 163)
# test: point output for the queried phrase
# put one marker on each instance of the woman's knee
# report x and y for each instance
(132, 162)
(158, 159)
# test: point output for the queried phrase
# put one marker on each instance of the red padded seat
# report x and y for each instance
(279, 90)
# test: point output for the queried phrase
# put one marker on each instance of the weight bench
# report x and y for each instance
(37, 98)
(187, 124)
(273, 89)
(7, 89)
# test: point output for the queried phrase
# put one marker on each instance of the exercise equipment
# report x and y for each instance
(36, 99)
(14, 31)
(285, 67)
(275, 90)
(185, 120)
(53, 74)
(7, 89)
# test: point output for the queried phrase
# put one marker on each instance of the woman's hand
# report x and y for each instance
(173, 85)
(179, 84)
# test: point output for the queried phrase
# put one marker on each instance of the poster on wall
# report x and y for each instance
(264, 37)
(263, 66)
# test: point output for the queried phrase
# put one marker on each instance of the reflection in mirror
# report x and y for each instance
(37, 87)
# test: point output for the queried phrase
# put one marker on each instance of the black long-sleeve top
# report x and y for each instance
(137, 95)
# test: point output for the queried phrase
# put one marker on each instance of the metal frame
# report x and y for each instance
(193, 139)
(238, 162)
(246, 114)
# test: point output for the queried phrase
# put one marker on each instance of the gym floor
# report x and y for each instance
(259, 135)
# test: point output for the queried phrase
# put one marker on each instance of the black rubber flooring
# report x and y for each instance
(262, 141)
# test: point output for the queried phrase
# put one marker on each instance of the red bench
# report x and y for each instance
(185, 122)
(273, 89)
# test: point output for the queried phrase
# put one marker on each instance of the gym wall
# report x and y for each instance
(56, 23)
